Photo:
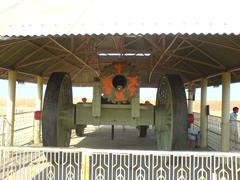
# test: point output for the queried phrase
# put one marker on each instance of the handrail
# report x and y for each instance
(217, 130)
(23, 121)
(18, 113)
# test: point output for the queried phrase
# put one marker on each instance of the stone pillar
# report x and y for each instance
(203, 115)
(190, 98)
(11, 108)
(225, 140)
(39, 101)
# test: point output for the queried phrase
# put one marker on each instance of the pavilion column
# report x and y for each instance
(225, 138)
(39, 101)
(11, 108)
(190, 98)
(203, 115)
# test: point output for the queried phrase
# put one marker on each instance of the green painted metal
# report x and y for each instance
(135, 105)
(96, 104)
(114, 114)
(67, 116)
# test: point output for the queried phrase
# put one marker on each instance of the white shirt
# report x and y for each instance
(233, 116)
(192, 134)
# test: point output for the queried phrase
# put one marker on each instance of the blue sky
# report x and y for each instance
(29, 90)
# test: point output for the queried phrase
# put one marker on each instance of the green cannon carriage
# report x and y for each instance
(115, 102)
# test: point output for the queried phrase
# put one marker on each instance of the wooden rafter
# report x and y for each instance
(3, 50)
(174, 51)
(161, 57)
(75, 56)
(213, 43)
(195, 61)
(133, 41)
(180, 70)
(204, 53)
(55, 48)
(82, 44)
(15, 52)
(189, 66)
(42, 60)
(32, 53)
(72, 43)
(236, 44)
(77, 73)
(52, 54)
(189, 53)
(178, 57)
(12, 42)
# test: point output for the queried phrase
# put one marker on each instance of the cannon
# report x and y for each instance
(115, 102)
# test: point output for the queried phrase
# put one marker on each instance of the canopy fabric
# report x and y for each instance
(58, 17)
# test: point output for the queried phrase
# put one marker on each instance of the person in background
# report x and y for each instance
(84, 100)
(234, 126)
(192, 133)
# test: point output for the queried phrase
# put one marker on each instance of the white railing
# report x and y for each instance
(23, 128)
(24, 163)
(214, 132)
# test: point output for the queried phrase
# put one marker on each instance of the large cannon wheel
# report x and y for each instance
(58, 94)
(171, 114)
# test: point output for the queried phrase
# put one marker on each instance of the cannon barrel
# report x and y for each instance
(120, 82)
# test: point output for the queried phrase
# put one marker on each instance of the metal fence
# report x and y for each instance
(24, 163)
(23, 128)
(214, 132)
(24, 124)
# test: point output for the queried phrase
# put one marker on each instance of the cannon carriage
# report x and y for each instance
(116, 102)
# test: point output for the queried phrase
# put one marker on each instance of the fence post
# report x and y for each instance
(3, 130)
(85, 165)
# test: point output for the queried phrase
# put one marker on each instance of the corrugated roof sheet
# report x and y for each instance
(45, 17)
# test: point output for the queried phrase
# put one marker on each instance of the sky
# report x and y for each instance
(29, 90)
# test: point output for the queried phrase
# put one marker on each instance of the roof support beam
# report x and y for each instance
(32, 53)
(197, 61)
(41, 61)
(82, 44)
(174, 51)
(162, 55)
(12, 42)
(15, 52)
(132, 42)
(212, 43)
(204, 53)
(72, 43)
(189, 53)
(74, 55)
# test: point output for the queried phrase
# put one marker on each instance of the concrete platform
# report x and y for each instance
(99, 137)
